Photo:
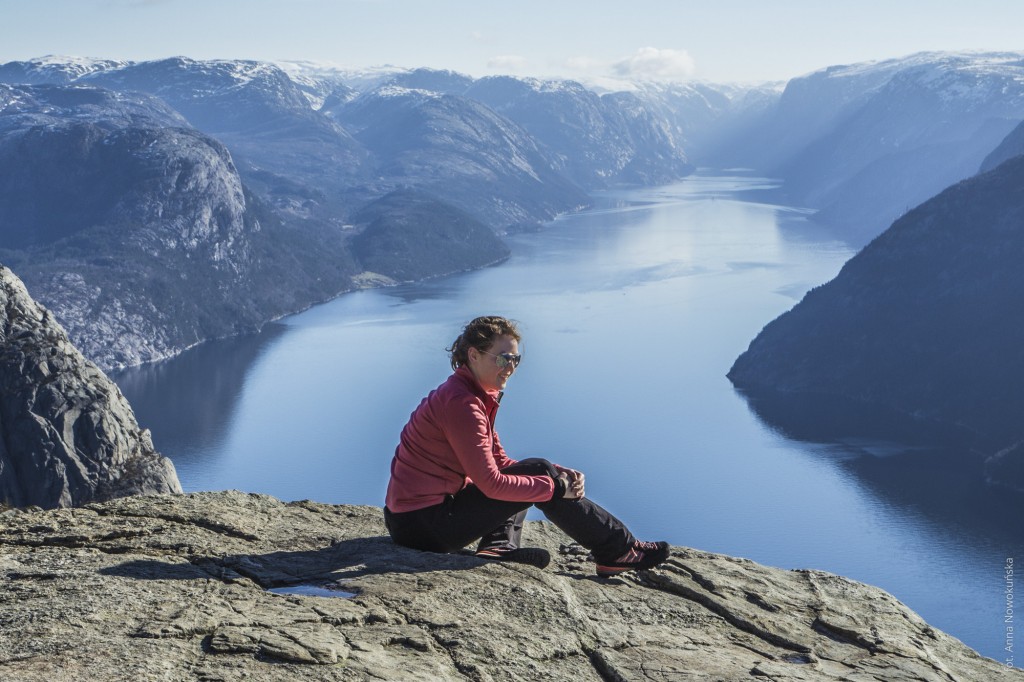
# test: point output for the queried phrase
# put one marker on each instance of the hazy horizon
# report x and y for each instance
(729, 41)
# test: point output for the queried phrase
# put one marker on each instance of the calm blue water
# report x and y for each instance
(632, 315)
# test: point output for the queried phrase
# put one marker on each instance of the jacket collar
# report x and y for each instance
(465, 376)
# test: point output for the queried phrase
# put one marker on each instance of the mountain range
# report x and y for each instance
(149, 197)
(864, 143)
(159, 204)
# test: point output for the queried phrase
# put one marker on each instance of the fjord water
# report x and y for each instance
(632, 314)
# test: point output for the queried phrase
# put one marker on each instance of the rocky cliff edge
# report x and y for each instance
(67, 434)
(175, 587)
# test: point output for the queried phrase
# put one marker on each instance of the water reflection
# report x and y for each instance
(922, 466)
(188, 402)
(941, 485)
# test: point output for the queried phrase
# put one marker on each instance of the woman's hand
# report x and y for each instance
(574, 483)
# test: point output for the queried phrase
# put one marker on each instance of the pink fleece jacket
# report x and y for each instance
(450, 442)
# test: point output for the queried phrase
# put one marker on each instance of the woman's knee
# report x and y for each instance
(533, 466)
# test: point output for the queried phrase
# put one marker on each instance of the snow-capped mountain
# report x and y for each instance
(327, 75)
(295, 151)
(54, 69)
(595, 140)
(49, 105)
(185, 200)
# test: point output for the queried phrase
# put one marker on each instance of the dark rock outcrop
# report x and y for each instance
(176, 588)
(67, 435)
(920, 332)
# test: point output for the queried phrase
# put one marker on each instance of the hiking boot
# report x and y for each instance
(640, 556)
(534, 556)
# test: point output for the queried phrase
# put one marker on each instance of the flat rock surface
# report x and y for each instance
(175, 587)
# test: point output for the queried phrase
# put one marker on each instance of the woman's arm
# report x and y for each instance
(469, 432)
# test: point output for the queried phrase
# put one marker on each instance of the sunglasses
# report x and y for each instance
(503, 360)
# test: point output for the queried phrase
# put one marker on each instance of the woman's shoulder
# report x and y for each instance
(459, 392)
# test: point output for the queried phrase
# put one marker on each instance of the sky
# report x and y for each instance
(711, 40)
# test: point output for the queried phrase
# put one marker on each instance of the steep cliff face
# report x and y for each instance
(178, 588)
(923, 327)
(85, 156)
(110, 207)
(67, 435)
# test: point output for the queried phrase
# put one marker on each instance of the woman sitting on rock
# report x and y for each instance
(452, 483)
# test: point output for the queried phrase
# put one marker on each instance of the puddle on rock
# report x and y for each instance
(312, 591)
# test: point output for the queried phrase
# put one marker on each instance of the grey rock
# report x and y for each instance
(175, 588)
(67, 435)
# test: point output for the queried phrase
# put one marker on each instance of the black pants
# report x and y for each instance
(470, 515)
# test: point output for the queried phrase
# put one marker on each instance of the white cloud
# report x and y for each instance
(585, 64)
(651, 63)
(508, 63)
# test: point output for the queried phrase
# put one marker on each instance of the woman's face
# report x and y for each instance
(484, 365)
